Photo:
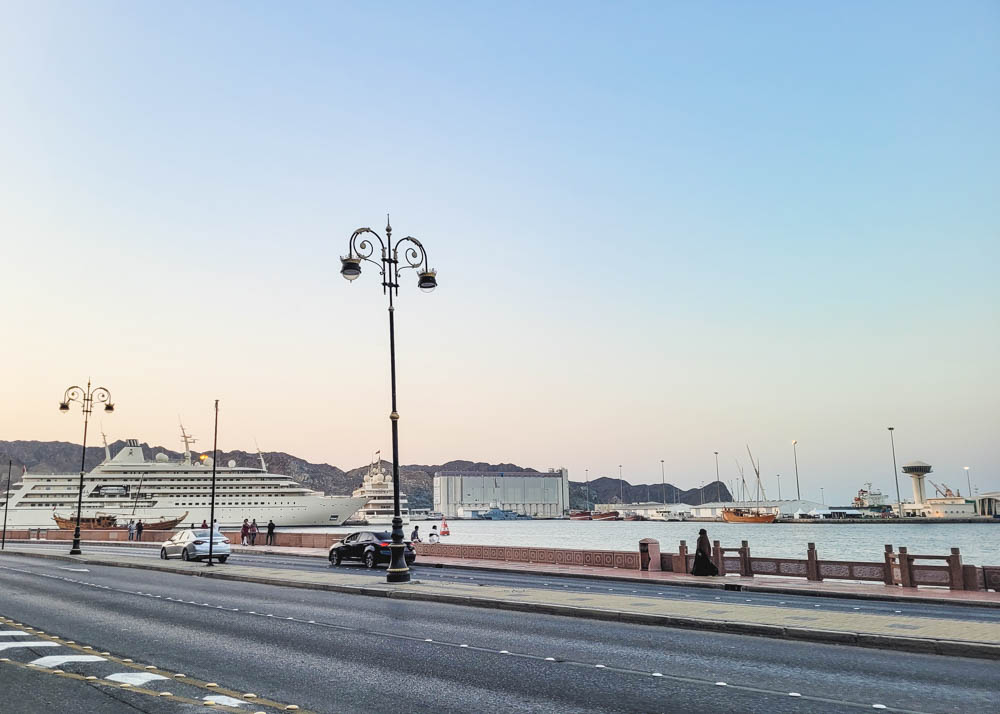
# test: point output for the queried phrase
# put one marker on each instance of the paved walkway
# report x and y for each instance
(913, 634)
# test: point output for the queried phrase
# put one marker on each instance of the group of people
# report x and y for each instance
(432, 538)
(249, 530)
(135, 530)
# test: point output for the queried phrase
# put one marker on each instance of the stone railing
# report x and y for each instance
(627, 560)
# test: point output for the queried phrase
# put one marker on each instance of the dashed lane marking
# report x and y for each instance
(136, 679)
(59, 660)
(223, 699)
(31, 643)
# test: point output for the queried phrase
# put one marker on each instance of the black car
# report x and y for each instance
(370, 547)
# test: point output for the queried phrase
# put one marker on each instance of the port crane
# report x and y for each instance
(943, 490)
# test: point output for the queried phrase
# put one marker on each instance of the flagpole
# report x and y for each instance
(3, 543)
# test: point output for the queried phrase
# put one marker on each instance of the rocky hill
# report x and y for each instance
(415, 479)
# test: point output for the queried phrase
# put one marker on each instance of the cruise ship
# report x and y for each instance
(129, 486)
(376, 490)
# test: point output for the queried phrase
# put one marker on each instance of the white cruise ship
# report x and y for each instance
(376, 490)
(129, 486)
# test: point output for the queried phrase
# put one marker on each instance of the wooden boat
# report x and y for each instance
(164, 524)
(99, 521)
(580, 516)
(747, 515)
(605, 516)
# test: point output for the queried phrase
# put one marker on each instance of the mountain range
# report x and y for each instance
(416, 480)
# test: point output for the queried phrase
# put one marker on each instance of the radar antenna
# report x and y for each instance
(188, 440)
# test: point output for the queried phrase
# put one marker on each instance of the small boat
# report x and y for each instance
(634, 517)
(580, 516)
(99, 521)
(604, 516)
(747, 515)
(164, 524)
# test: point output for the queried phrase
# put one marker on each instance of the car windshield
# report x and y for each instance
(200, 534)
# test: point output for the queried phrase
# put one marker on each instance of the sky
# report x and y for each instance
(661, 230)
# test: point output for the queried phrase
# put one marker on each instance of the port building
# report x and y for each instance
(467, 494)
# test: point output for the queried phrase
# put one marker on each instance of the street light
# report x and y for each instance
(895, 473)
(86, 397)
(211, 510)
(795, 455)
(663, 484)
(414, 257)
(621, 483)
(587, 472)
(779, 487)
(822, 495)
(718, 484)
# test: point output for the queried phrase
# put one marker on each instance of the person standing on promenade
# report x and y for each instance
(131, 530)
(245, 532)
(253, 532)
(270, 532)
(703, 564)
(138, 530)
(204, 523)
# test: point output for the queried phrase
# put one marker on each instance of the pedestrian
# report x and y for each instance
(138, 530)
(245, 532)
(270, 532)
(703, 564)
(253, 532)
(415, 535)
(216, 526)
(131, 530)
(204, 523)
(433, 537)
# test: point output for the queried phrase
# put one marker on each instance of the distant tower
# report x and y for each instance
(917, 470)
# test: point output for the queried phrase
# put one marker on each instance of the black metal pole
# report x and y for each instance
(895, 473)
(398, 571)
(211, 512)
(75, 549)
(718, 483)
(3, 543)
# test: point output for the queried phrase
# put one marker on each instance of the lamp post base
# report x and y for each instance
(398, 570)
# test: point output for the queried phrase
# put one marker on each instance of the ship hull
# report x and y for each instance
(731, 517)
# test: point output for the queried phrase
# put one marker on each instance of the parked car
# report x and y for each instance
(370, 547)
(192, 544)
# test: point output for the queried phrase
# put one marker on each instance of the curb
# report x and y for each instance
(708, 585)
(951, 648)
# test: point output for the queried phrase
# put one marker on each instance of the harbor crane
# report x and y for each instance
(943, 490)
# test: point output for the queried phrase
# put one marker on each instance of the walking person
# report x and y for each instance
(703, 564)
(245, 532)
(253, 532)
(270, 532)
(131, 530)
(138, 530)
(415, 535)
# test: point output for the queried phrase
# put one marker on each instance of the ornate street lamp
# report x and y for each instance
(390, 265)
(87, 398)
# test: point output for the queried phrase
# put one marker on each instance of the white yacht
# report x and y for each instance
(376, 489)
(129, 486)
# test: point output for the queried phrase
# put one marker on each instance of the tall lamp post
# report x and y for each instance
(414, 257)
(779, 487)
(718, 484)
(211, 510)
(663, 483)
(795, 455)
(587, 472)
(3, 545)
(621, 484)
(895, 473)
(87, 397)
(967, 478)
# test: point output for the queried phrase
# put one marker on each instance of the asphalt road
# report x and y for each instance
(552, 582)
(329, 652)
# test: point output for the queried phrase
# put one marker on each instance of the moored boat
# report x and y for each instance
(100, 521)
(580, 516)
(747, 515)
(604, 516)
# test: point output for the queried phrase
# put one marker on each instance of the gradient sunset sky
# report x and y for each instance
(661, 230)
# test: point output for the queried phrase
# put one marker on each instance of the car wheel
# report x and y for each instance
(223, 558)
(163, 553)
(335, 558)
(184, 555)
(370, 559)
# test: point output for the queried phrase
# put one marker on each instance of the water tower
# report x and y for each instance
(917, 470)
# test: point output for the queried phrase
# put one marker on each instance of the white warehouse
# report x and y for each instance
(465, 494)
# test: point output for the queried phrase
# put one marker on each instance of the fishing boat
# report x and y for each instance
(747, 515)
(100, 521)
(604, 516)
(580, 516)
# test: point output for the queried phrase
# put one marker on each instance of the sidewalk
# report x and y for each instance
(922, 634)
(761, 584)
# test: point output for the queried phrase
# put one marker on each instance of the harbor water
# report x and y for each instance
(979, 542)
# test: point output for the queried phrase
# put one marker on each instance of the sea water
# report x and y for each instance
(979, 542)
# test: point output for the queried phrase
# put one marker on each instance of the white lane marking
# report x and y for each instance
(657, 674)
(37, 643)
(136, 679)
(878, 706)
(721, 684)
(59, 660)
(794, 694)
(13, 633)
(76, 570)
(223, 699)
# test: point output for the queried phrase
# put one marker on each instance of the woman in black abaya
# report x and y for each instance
(703, 564)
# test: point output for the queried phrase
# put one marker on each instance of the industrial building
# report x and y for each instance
(948, 505)
(469, 494)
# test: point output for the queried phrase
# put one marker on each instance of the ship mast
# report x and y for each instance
(260, 456)
(188, 440)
